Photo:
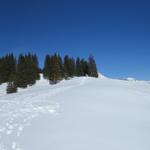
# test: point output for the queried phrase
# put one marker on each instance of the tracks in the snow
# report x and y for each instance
(17, 110)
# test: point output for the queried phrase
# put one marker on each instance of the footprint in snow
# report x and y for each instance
(15, 116)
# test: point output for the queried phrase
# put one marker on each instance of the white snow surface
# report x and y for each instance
(78, 114)
(130, 79)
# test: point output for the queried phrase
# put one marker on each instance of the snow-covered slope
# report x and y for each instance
(78, 114)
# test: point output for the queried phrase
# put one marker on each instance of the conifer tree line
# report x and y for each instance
(19, 72)
(57, 68)
(24, 70)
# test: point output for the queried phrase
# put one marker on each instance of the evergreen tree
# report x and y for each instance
(11, 88)
(1, 71)
(30, 69)
(61, 66)
(21, 79)
(7, 67)
(66, 66)
(79, 70)
(92, 69)
(55, 71)
(36, 66)
(69, 67)
(47, 66)
(72, 67)
(84, 66)
(27, 70)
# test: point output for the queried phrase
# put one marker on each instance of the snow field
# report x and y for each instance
(78, 114)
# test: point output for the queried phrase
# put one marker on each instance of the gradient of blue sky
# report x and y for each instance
(117, 32)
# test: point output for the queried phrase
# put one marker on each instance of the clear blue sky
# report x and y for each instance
(116, 32)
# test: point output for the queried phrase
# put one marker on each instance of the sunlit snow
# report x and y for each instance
(78, 114)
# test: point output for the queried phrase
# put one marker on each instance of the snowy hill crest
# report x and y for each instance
(87, 112)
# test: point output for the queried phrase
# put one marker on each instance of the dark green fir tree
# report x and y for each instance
(79, 69)
(55, 73)
(47, 66)
(7, 67)
(69, 67)
(85, 67)
(11, 88)
(21, 75)
(92, 69)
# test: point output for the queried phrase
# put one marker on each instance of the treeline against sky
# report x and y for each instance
(24, 71)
